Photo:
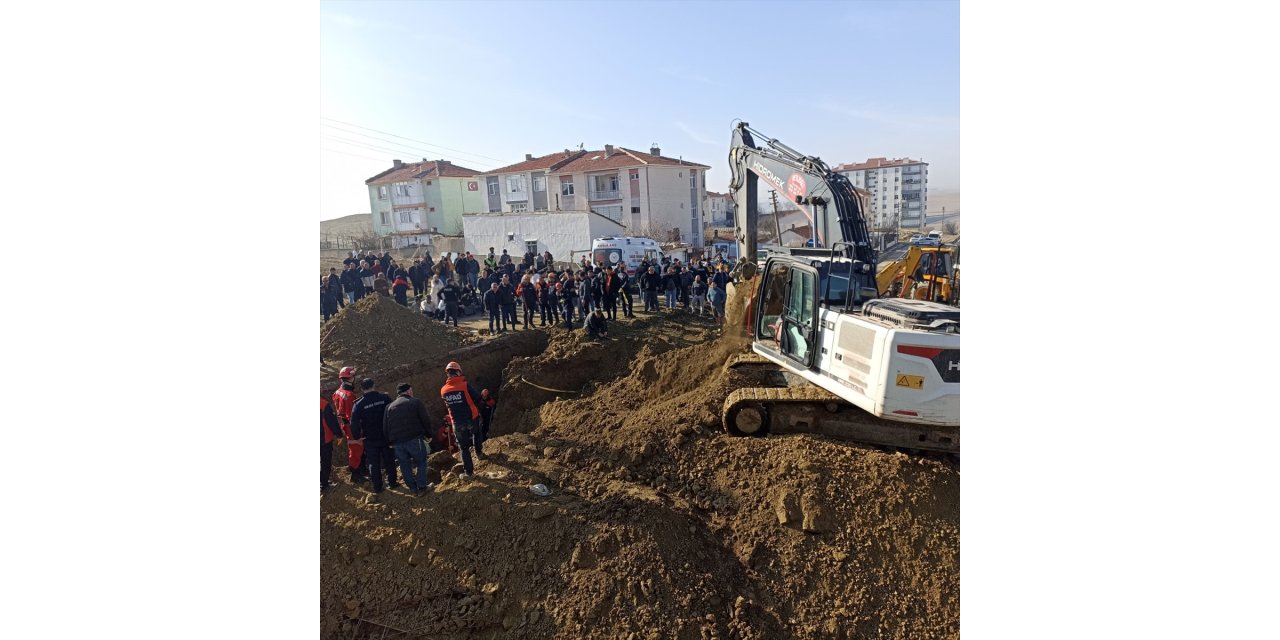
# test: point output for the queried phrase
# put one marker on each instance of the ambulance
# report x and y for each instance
(628, 250)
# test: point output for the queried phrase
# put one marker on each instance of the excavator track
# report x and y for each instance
(806, 408)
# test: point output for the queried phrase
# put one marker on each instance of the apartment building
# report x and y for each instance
(899, 190)
(647, 193)
(719, 209)
(412, 200)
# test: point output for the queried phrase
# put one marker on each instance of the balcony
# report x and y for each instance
(610, 194)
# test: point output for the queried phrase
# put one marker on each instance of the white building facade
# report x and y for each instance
(719, 209)
(646, 193)
(566, 234)
(899, 190)
(412, 200)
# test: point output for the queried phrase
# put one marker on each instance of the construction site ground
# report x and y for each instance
(658, 525)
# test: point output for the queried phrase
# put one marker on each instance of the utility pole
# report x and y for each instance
(777, 224)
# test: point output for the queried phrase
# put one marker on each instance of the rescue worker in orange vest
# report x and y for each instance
(463, 403)
(343, 400)
(328, 433)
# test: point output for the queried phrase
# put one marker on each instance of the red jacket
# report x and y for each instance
(343, 399)
(328, 422)
(461, 398)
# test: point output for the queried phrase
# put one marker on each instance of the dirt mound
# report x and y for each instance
(376, 333)
(659, 525)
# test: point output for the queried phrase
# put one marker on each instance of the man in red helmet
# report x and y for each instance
(463, 403)
(343, 400)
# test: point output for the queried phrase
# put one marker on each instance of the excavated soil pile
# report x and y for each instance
(659, 524)
(376, 334)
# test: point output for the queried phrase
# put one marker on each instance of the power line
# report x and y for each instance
(352, 154)
(349, 124)
(425, 152)
(364, 145)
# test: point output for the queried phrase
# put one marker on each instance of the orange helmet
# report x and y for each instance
(453, 366)
(347, 373)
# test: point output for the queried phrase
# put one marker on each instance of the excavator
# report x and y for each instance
(828, 354)
(923, 273)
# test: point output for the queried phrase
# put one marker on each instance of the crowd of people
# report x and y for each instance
(533, 292)
(385, 434)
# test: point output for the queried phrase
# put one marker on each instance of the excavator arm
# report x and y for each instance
(827, 198)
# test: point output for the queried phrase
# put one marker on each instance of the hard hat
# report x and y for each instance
(347, 372)
(453, 366)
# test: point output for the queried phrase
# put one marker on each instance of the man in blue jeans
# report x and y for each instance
(463, 403)
(406, 424)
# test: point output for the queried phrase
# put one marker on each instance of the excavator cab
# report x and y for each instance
(787, 314)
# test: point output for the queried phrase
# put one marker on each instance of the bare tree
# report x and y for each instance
(951, 227)
(657, 232)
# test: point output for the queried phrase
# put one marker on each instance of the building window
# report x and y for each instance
(635, 174)
(432, 209)
(613, 212)
(382, 194)
(566, 188)
(493, 188)
(515, 184)
(540, 183)
(531, 246)
(406, 217)
(402, 190)
(520, 208)
(635, 209)
(385, 219)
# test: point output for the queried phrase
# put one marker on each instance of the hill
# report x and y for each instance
(359, 224)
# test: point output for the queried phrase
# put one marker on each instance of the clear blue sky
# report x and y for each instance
(486, 82)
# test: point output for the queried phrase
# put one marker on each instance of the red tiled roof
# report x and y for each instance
(541, 163)
(426, 169)
(802, 231)
(578, 161)
(875, 163)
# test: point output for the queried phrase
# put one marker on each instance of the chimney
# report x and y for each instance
(528, 157)
(396, 164)
(608, 150)
(654, 150)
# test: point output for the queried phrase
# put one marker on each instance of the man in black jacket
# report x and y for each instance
(335, 286)
(652, 284)
(473, 270)
(507, 297)
(406, 425)
(460, 266)
(366, 424)
(350, 280)
(624, 291)
(450, 294)
(493, 304)
(415, 278)
(597, 326)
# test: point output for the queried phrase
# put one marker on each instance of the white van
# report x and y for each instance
(628, 250)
